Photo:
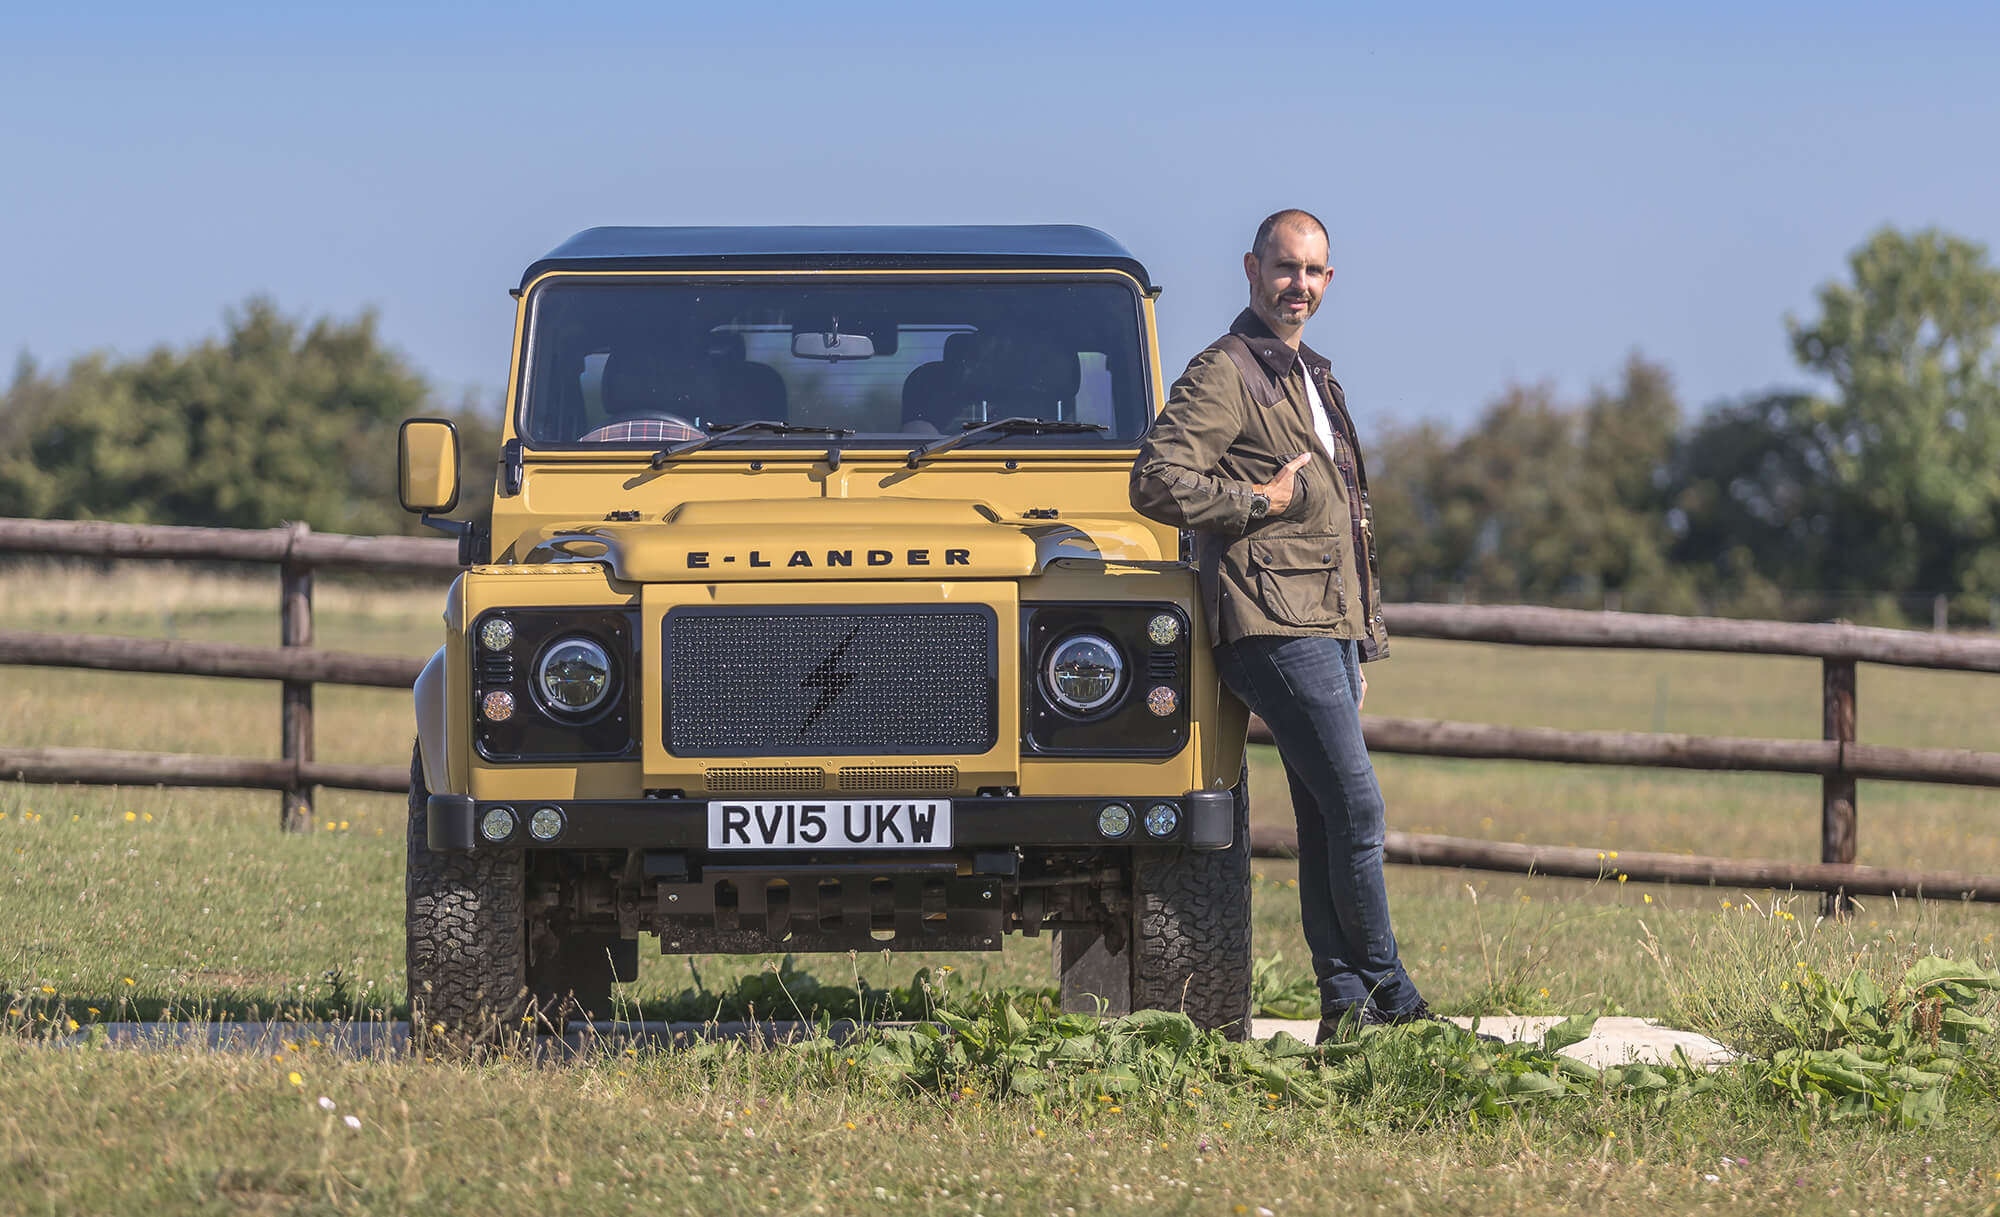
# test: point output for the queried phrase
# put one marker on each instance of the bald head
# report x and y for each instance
(1290, 218)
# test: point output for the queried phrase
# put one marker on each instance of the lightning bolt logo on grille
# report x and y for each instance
(830, 678)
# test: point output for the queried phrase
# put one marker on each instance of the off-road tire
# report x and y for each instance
(467, 950)
(1188, 948)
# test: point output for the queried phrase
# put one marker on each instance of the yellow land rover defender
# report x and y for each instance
(812, 615)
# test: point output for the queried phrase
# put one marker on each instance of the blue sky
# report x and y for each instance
(1523, 195)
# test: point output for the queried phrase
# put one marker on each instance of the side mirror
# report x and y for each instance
(427, 465)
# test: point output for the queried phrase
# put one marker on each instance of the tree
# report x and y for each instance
(277, 420)
(1911, 439)
(1539, 500)
(1892, 483)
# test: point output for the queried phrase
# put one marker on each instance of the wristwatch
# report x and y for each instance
(1260, 505)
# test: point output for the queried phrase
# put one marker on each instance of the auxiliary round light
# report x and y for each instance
(574, 675)
(1114, 819)
(1162, 819)
(1084, 672)
(497, 706)
(1162, 700)
(545, 823)
(497, 634)
(1164, 630)
(497, 824)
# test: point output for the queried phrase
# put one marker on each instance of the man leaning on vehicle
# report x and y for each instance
(1256, 455)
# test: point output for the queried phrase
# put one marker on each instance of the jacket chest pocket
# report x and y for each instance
(1298, 578)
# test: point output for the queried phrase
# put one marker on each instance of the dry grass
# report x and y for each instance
(150, 900)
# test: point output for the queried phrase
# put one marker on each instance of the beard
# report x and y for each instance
(1279, 315)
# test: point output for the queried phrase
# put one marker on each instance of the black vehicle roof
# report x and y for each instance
(860, 247)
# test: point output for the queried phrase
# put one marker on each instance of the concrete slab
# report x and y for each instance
(1612, 1040)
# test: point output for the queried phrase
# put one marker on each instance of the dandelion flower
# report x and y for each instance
(72, 1024)
(1649, 897)
(850, 1126)
(92, 1009)
(1116, 1110)
(129, 981)
(131, 816)
(48, 988)
(294, 1078)
(146, 816)
(353, 1122)
(343, 826)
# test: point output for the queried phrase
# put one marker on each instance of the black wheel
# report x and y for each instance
(467, 950)
(1186, 943)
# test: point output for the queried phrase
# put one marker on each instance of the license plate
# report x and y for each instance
(835, 824)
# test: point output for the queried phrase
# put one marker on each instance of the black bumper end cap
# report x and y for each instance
(448, 821)
(1211, 819)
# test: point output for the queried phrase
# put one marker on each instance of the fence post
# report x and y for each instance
(1837, 790)
(295, 629)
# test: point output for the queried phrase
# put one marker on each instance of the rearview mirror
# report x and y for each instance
(833, 348)
(427, 465)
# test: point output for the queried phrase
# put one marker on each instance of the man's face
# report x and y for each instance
(1286, 284)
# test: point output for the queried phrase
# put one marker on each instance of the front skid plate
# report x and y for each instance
(903, 906)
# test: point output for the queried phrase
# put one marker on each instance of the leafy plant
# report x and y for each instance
(1859, 1050)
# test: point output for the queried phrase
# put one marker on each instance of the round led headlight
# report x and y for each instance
(1114, 819)
(497, 634)
(1084, 672)
(497, 824)
(1162, 819)
(1164, 630)
(574, 675)
(545, 823)
(1161, 700)
(497, 706)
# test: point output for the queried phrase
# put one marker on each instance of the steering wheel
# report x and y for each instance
(644, 428)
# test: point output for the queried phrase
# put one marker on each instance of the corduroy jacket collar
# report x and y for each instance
(1273, 354)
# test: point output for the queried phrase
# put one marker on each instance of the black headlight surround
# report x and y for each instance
(1126, 726)
(538, 730)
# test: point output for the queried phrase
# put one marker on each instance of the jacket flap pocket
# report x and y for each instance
(1316, 551)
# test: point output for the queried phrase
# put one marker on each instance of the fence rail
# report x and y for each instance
(1839, 759)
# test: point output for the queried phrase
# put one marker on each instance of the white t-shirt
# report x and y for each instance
(1322, 420)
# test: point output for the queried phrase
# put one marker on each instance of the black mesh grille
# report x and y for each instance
(856, 681)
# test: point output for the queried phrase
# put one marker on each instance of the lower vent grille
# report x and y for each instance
(772, 780)
(899, 777)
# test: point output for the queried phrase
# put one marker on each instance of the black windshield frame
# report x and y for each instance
(1125, 370)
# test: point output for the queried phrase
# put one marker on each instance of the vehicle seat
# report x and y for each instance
(1026, 375)
(645, 381)
(935, 397)
(746, 390)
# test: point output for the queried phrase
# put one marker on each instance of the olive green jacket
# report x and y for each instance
(1237, 414)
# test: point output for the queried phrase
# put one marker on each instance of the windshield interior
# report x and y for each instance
(655, 363)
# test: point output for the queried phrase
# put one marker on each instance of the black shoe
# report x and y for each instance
(1418, 1013)
(1342, 1023)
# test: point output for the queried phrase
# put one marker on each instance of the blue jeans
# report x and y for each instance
(1304, 689)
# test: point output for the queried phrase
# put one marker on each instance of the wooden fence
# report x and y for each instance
(1839, 759)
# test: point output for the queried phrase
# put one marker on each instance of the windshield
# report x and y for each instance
(656, 363)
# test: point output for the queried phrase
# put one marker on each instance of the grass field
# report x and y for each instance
(147, 901)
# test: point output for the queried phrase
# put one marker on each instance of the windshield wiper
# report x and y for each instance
(1001, 426)
(762, 425)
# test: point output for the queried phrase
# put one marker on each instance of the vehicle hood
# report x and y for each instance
(817, 539)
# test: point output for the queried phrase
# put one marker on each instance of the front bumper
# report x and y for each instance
(987, 822)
